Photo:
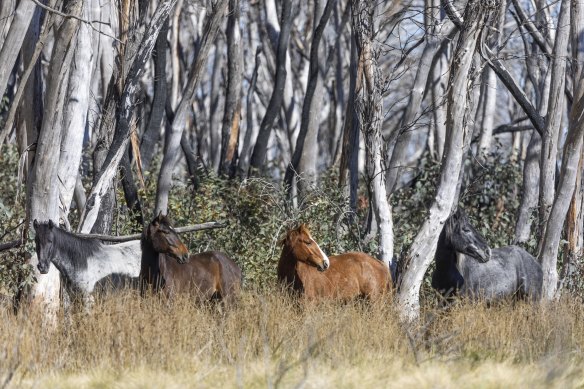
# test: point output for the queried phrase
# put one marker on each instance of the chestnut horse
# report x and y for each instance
(167, 265)
(304, 268)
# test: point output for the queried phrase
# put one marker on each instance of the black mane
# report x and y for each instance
(76, 248)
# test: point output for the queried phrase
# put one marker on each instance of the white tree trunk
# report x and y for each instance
(11, 45)
(44, 192)
(571, 156)
(422, 250)
(554, 116)
(75, 116)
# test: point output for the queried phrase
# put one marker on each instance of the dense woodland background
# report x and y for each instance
(369, 120)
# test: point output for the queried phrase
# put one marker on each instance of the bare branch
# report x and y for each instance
(90, 23)
(126, 238)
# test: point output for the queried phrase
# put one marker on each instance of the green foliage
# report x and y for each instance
(14, 273)
(256, 212)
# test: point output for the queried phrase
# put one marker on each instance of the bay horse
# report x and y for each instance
(305, 268)
(167, 266)
(466, 265)
(84, 263)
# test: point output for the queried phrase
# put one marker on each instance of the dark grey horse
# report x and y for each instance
(82, 262)
(466, 265)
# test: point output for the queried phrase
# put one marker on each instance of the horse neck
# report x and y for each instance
(72, 252)
(445, 257)
(150, 264)
(288, 264)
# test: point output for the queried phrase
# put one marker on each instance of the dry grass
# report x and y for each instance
(271, 340)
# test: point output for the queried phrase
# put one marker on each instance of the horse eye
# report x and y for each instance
(308, 242)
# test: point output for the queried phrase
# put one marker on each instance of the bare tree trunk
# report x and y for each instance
(243, 164)
(44, 193)
(75, 116)
(151, 134)
(310, 109)
(422, 250)
(350, 150)
(171, 147)
(260, 149)
(30, 115)
(440, 79)
(571, 156)
(7, 8)
(307, 166)
(232, 114)
(370, 104)
(14, 38)
(530, 189)
(555, 110)
(490, 92)
(215, 95)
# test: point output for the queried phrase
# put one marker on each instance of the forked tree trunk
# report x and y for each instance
(307, 136)
(172, 145)
(370, 105)
(422, 250)
(261, 147)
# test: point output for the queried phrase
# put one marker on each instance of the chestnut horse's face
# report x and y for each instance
(305, 249)
(165, 240)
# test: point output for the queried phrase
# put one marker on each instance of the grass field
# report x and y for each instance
(271, 340)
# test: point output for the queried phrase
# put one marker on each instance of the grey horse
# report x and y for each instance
(465, 265)
(85, 263)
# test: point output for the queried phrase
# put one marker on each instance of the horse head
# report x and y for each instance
(165, 239)
(45, 244)
(304, 248)
(465, 239)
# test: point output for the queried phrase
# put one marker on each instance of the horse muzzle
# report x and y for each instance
(182, 259)
(480, 254)
(324, 266)
(43, 269)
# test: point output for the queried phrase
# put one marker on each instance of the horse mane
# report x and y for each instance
(76, 248)
(301, 228)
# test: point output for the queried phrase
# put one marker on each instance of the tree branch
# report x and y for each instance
(90, 23)
(126, 238)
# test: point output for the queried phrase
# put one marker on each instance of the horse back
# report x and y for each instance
(371, 275)
(526, 267)
(225, 273)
